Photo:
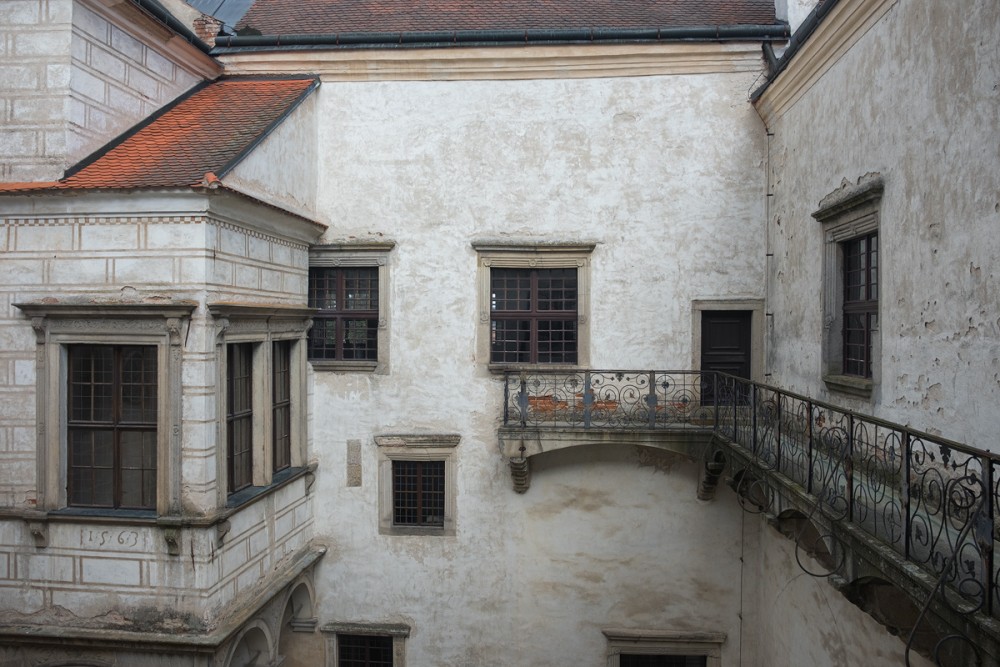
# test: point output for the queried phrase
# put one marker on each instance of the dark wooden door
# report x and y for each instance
(725, 345)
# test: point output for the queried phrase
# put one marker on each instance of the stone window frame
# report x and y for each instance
(59, 325)
(362, 255)
(416, 447)
(399, 632)
(850, 212)
(663, 642)
(533, 255)
(261, 326)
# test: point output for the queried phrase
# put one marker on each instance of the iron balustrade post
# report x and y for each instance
(588, 399)
(907, 520)
(809, 446)
(715, 399)
(651, 399)
(754, 440)
(777, 433)
(736, 418)
(522, 400)
(506, 397)
(986, 541)
(849, 467)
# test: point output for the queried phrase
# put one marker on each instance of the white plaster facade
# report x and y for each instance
(652, 155)
(940, 338)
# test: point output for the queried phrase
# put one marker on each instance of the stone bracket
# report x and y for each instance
(520, 474)
(172, 536)
(40, 533)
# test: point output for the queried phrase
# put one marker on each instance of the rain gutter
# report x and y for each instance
(159, 12)
(447, 38)
(778, 65)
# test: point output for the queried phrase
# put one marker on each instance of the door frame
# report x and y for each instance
(756, 308)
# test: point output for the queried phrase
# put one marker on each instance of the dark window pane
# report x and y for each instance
(364, 651)
(282, 406)
(111, 431)
(860, 312)
(534, 316)
(663, 660)
(418, 493)
(346, 326)
(239, 415)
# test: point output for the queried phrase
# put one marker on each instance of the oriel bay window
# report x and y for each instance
(112, 426)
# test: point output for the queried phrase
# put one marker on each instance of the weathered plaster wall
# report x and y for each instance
(794, 11)
(916, 100)
(799, 619)
(666, 175)
(281, 169)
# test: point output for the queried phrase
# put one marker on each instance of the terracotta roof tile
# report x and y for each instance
(191, 142)
(273, 17)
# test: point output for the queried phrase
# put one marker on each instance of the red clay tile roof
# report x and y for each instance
(194, 141)
(273, 17)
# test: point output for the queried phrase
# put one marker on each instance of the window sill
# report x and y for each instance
(250, 494)
(344, 366)
(105, 514)
(849, 384)
(426, 531)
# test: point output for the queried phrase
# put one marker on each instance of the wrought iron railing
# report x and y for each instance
(606, 399)
(931, 500)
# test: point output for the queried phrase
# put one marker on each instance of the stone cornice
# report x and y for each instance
(842, 28)
(504, 63)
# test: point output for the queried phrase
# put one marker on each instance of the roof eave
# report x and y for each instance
(472, 38)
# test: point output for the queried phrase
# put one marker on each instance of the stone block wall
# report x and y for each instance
(117, 80)
(75, 75)
(35, 69)
(99, 571)
(99, 568)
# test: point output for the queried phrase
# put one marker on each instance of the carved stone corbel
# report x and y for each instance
(221, 530)
(40, 533)
(520, 474)
(710, 474)
(303, 624)
(221, 325)
(172, 536)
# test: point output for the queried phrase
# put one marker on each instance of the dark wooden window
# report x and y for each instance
(418, 493)
(281, 408)
(111, 427)
(239, 415)
(345, 327)
(533, 316)
(626, 660)
(364, 651)
(860, 303)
